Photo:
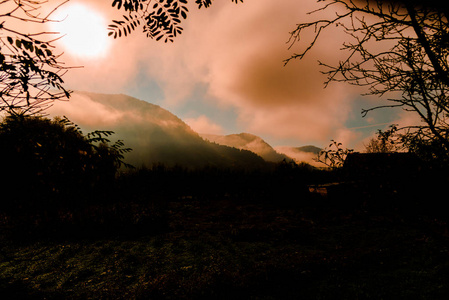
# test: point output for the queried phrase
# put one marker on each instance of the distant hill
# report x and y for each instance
(158, 136)
(309, 149)
(154, 134)
(301, 154)
(247, 141)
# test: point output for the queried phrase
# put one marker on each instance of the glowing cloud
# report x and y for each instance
(203, 124)
(235, 53)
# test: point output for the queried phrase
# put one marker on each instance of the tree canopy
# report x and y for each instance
(52, 160)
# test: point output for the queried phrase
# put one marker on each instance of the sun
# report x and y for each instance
(84, 30)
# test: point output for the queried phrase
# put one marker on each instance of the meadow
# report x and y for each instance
(227, 234)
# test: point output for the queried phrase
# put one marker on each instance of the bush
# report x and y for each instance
(50, 165)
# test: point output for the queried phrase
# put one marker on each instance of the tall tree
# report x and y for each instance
(398, 50)
(30, 73)
(161, 19)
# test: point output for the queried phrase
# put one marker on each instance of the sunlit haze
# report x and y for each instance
(84, 30)
(225, 74)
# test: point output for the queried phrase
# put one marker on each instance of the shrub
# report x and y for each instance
(49, 164)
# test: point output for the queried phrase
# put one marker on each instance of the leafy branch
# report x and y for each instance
(160, 19)
(334, 155)
(99, 141)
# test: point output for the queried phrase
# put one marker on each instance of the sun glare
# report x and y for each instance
(84, 31)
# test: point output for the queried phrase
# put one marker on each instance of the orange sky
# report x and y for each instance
(225, 74)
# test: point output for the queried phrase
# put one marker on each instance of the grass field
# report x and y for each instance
(229, 249)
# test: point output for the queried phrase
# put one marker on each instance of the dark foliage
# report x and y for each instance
(215, 233)
(49, 166)
(161, 19)
(283, 183)
(228, 249)
(61, 181)
(333, 156)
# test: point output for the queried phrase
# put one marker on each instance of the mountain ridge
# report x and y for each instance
(158, 136)
(248, 141)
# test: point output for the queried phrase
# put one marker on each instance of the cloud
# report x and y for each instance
(110, 72)
(81, 109)
(299, 156)
(237, 52)
(240, 57)
(203, 124)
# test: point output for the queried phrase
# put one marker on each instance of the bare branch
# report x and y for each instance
(397, 49)
(30, 73)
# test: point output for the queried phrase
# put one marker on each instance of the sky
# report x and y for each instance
(225, 74)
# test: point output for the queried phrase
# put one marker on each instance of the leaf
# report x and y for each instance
(119, 3)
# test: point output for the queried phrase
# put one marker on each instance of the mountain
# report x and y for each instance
(309, 149)
(301, 154)
(247, 141)
(154, 134)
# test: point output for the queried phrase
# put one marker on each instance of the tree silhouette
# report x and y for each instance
(398, 50)
(385, 142)
(30, 73)
(51, 162)
(333, 156)
(161, 19)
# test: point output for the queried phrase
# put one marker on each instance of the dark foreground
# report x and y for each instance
(227, 249)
